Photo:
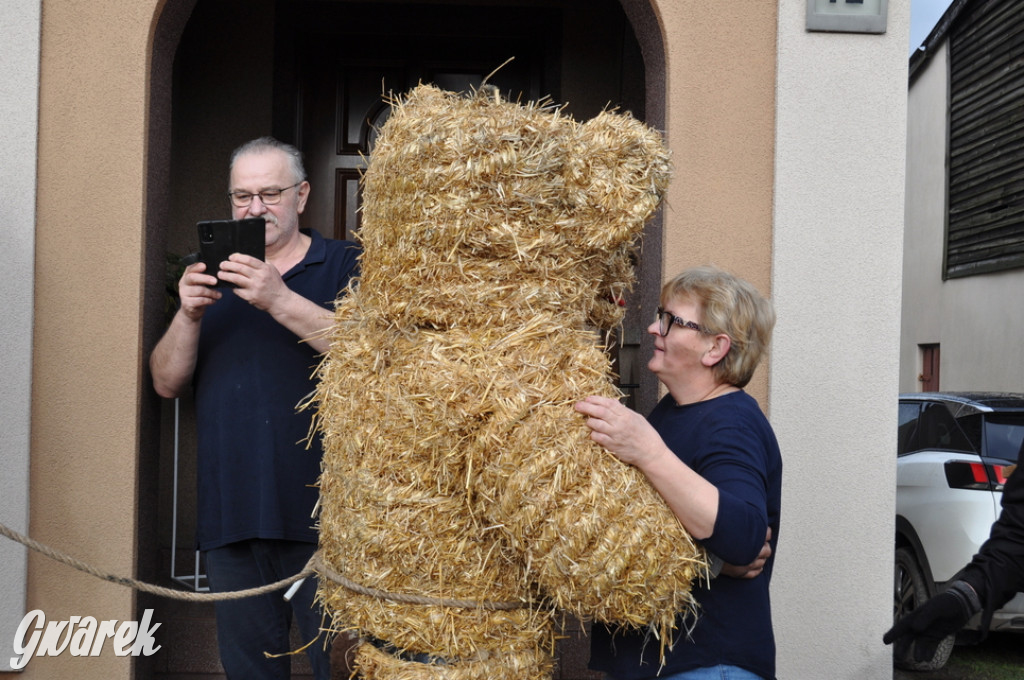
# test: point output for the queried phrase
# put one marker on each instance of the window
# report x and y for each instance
(906, 439)
(937, 429)
(1004, 436)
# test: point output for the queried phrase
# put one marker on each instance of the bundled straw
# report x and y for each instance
(497, 239)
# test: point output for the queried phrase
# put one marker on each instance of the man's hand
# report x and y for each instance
(196, 291)
(260, 284)
(257, 282)
(921, 631)
(174, 358)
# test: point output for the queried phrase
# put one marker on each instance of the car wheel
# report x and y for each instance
(911, 592)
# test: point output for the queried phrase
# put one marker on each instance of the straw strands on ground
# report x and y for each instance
(497, 239)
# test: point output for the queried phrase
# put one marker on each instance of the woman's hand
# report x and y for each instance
(633, 440)
(754, 568)
(621, 430)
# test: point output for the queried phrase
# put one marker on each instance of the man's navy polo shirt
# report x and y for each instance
(256, 475)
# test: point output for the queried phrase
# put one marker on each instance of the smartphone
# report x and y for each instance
(219, 238)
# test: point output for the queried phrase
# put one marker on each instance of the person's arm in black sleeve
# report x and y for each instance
(990, 580)
(997, 572)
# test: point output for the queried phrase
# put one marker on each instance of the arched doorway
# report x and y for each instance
(311, 73)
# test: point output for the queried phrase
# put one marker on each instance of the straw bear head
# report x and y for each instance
(481, 210)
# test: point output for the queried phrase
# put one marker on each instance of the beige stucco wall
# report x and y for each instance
(86, 369)
(720, 123)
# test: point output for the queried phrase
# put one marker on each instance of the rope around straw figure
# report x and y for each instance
(497, 239)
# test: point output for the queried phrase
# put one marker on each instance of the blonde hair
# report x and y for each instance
(729, 305)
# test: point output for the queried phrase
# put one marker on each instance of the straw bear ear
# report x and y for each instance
(621, 169)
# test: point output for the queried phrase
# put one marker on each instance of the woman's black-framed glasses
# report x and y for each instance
(242, 199)
(667, 319)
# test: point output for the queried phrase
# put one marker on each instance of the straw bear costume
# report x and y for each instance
(463, 506)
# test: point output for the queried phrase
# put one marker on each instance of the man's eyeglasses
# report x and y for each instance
(667, 319)
(242, 199)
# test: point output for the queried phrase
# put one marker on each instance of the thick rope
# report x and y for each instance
(327, 572)
(315, 565)
(172, 593)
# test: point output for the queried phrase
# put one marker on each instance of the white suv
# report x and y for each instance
(954, 452)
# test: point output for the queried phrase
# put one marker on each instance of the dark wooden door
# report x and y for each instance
(335, 62)
(929, 377)
(350, 57)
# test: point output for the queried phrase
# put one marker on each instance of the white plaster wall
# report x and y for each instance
(19, 88)
(981, 323)
(837, 262)
(925, 215)
(976, 321)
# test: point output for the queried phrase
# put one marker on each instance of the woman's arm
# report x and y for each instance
(628, 435)
(723, 505)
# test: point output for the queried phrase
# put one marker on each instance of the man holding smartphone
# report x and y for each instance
(249, 352)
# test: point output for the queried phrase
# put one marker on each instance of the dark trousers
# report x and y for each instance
(248, 627)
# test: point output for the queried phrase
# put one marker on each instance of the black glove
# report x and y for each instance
(941, 616)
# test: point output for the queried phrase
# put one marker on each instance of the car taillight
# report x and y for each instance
(962, 474)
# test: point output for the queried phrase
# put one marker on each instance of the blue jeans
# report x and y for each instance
(711, 673)
(715, 673)
(250, 626)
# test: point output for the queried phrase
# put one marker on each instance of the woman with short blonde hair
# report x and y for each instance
(710, 452)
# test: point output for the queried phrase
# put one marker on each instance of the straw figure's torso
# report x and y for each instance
(497, 238)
